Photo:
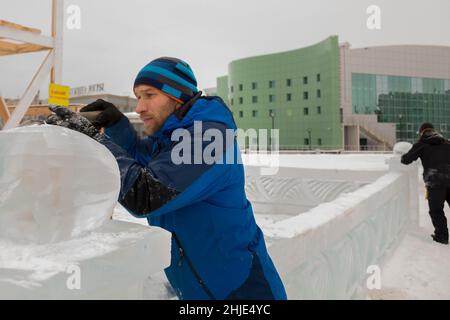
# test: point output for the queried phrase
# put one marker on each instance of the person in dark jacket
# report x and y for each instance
(434, 152)
(218, 250)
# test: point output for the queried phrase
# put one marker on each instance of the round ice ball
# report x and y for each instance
(402, 147)
(55, 183)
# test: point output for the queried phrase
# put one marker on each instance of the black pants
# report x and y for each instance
(436, 200)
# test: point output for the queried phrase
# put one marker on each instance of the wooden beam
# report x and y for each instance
(32, 40)
(31, 92)
(8, 48)
(4, 112)
(18, 26)
(25, 48)
(57, 35)
(26, 37)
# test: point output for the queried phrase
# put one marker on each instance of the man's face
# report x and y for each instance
(153, 107)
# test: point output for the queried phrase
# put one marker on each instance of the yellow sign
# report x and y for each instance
(58, 95)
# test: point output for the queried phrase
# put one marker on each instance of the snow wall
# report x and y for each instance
(339, 223)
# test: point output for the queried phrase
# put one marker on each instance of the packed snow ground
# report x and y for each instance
(419, 268)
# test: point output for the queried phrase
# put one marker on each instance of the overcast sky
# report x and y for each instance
(118, 37)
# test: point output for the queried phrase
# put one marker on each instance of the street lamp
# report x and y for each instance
(400, 118)
(309, 138)
(379, 113)
(272, 115)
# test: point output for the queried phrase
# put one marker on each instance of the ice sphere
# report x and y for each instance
(55, 184)
(402, 147)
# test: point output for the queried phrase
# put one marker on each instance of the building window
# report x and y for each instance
(241, 100)
(232, 88)
(305, 95)
(318, 77)
(255, 113)
(288, 82)
(232, 101)
(319, 141)
(254, 85)
(271, 98)
(305, 111)
(319, 110)
(241, 87)
(306, 141)
(271, 113)
(272, 84)
(241, 114)
(288, 97)
(318, 93)
(254, 99)
(305, 80)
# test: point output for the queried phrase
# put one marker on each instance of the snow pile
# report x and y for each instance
(402, 148)
(29, 265)
(55, 183)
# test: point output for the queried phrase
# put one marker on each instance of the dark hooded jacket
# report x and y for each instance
(434, 152)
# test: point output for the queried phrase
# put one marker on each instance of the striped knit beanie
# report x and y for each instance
(172, 76)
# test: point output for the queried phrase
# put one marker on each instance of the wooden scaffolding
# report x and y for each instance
(18, 39)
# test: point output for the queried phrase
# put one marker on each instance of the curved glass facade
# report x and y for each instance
(299, 88)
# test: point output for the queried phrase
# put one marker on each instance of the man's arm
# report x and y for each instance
(140, 191)
(164, 186)
(134, 177)
(119, 129)
(123, 134)
(413, 154)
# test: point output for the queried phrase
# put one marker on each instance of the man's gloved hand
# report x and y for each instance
(108, 116)
(64, 117)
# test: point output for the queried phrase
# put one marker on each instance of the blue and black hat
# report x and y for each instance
(172, 76)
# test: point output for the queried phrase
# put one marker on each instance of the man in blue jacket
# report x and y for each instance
(218, 251)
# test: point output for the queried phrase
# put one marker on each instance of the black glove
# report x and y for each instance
(64, 117)
(108, 115)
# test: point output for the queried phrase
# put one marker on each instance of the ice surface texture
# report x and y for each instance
(55, 184)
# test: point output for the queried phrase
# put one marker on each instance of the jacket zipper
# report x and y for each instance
(183, 256)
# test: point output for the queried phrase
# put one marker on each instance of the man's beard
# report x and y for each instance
(150, 130)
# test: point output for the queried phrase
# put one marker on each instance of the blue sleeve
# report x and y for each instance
(164, 186)
(123, 134)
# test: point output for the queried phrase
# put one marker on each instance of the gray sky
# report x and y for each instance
(118, 37)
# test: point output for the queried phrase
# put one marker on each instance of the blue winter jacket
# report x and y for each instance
(218, 251)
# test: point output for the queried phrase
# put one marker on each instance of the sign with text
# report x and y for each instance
(87, 90)
(58, 95)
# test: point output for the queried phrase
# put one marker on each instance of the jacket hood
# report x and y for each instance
(433, 138)
(211, 109)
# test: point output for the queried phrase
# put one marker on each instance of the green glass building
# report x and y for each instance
(405, 101)
(296, 92)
